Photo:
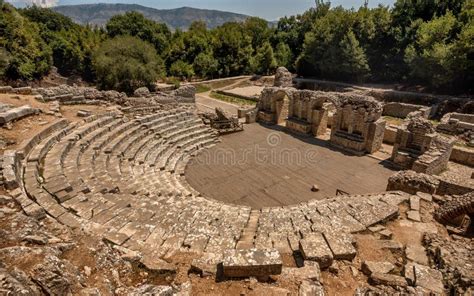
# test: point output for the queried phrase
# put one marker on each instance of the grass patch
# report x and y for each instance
(463, 144)
(232, 100)
(393, 120)
(202, 88)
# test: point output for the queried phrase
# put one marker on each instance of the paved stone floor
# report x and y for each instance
(264, 166)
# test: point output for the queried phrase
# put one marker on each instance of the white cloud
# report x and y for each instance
(42, 3)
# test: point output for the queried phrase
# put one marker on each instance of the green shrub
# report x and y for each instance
(127, 63)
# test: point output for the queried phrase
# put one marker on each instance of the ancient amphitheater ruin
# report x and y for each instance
(150, 195)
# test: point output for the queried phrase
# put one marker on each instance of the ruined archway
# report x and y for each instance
(273, 105)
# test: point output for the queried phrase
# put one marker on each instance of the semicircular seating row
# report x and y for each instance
(122, 177)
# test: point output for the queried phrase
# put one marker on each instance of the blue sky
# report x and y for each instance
(268, 9)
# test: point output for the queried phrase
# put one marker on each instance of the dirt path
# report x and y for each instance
(205, 103)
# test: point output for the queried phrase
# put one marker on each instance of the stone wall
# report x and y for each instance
(436, 159)
(413, 182)
(456, 123)
(390, 135)
(418, 147)
(463, 155)
(307, 112)
(401, 110)
(357, 125)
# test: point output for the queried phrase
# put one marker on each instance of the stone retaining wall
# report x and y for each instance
(401, 110)
(412, 182)
(463, 156)
(231, 94)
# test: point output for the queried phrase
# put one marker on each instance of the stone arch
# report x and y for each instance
(273, 105)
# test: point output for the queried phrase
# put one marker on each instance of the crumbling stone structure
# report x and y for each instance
(456, 123)
(283, 78)
(357, 125)
(412, 182)
(308, 112)
(222, 122)
(418, 147)
(458, 212)
(302, 111)
(273, 105)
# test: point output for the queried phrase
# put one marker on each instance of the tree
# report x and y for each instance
(126, 63)
(353, 62)
(52, 21)
(182, 70)
(284, 56)
(264, 61)
(232, 49)
(258, 30)
(4, 61)
(429, 57)
(29, 55)
(205, 65)
(71, 44)
(135, 24)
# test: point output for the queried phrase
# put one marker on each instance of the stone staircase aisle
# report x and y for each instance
(246, 240)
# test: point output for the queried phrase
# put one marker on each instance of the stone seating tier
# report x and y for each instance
(122, 178)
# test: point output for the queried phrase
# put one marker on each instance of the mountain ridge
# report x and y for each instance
(177, 18)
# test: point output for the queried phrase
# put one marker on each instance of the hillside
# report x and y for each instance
(99, 14)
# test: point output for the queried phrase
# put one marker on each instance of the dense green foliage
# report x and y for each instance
(25, 54)
(428, 43)
(126, 63)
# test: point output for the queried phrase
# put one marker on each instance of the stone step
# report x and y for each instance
(247, 238)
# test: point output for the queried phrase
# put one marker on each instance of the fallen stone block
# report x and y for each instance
(152, 290)
(341, 245)
(414, 203)
(425, 277)
(155, 264)
(414, 216)
(369, 267)
(310, 271)
(388, 280)
(16, 113)
(35, 211)
(310, 288)
(251, 262)
(425, 196)
(83, 113)
(386, 234)
(206, 265)
(314, 248)
(417, 254)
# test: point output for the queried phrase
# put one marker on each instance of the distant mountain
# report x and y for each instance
(99, 14)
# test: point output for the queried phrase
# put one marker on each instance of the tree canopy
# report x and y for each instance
(426, 43)
(126, 63)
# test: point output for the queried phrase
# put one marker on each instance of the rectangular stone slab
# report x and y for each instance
(314, 248)
(251, 262)
(341, 245)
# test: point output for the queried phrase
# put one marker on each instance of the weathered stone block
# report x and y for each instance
(310, 288)
(425, 277)
(388, 280)
(369, 267)
(206, 265)
(341, 245)
(314, 248)
(310, 271)
(251, 262)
